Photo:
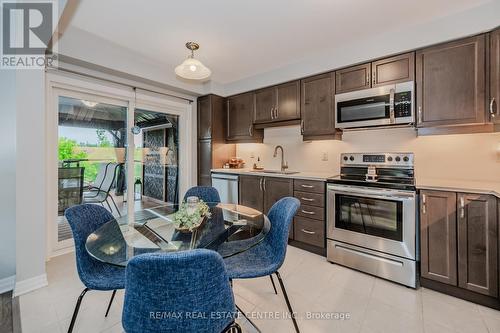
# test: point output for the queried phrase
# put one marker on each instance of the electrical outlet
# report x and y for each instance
(324, 157)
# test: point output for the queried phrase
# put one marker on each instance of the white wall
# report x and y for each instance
(8, 174)
(30, 180)
(454, 157)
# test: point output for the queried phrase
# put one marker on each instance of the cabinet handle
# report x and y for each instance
(307, 231)
(260, 184)
(307, 199)
(424, 208)
(306, 186)
(419, 114)
(307, 212)
(250, 130)
(493, 113)
(272, 113)
(302, 126)
(374, 78)
(264, 184)
(368, 79)
(462, 207)
(276, 112)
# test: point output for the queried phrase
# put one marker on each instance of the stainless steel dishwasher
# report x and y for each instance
(227, 186)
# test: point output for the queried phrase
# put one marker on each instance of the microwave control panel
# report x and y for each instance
(402, 104)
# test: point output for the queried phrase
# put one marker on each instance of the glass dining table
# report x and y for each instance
(229, 229)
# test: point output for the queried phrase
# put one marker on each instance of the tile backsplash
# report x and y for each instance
(465, 156)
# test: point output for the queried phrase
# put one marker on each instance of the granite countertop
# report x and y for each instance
(455, 185)
(299, 175)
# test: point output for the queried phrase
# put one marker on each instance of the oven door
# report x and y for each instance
(375, 218)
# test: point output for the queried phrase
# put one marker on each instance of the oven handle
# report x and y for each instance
(393, 195)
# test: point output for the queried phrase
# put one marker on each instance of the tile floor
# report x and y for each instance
(315, 287)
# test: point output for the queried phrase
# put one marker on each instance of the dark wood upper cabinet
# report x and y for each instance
(265, 102)
(478, 243)
(251, 193)
(288, 101)
(240, 110)
(317, 109)
(278, 103)
(391, 70)
(494, 75)
(438, 236)
(451, 83)
(353, 78)
(275, 189)
(212, 150)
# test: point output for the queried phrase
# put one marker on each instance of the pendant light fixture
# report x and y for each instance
(191, 68)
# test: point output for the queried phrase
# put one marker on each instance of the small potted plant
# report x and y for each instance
(191, 215)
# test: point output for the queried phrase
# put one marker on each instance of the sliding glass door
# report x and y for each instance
(111, 153)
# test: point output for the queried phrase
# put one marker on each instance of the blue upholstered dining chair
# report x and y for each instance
(205, 193)
(95, 275)
(267, 257)
(185, 291)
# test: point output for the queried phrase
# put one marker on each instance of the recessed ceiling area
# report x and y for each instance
(244, 39)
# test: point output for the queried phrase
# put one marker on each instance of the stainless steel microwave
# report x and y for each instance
(382, 106)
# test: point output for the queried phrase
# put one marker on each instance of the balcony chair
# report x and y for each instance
(93, 188)
(103, 193)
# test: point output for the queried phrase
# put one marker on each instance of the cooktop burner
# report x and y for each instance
(387, 170)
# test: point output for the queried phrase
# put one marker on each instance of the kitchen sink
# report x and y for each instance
(276, 172)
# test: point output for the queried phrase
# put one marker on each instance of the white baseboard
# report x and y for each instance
(25, 286)
(7, 284)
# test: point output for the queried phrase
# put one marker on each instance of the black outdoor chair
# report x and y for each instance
(103, 193)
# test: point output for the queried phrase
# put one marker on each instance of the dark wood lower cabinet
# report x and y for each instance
(438, 236)
(459, 245)
(478, 243)
(251, 193)
(275, 189)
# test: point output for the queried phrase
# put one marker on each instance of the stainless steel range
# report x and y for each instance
(371, 209)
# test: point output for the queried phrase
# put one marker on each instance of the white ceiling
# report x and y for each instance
(241, 39)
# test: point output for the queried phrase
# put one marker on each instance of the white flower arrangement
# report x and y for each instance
(188, 219)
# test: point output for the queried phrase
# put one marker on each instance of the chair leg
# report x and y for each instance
(274, 286)
(114, 203)
(77, 308)
(251, 322)
(287, 302)
(109, 206)
(110, 302)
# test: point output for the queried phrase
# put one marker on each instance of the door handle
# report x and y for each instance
(462, 207)
(307, 212)
(493, 112)
(308, 231)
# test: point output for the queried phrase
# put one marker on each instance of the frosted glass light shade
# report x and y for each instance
(192, 69)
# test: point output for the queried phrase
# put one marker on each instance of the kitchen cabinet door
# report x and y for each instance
(204, 162)
(288, 101)
(494, 74)
(317, 105)
(478, 243)
(400, 68)
(204, 118)
(265, 102)
(438, 236)
(275, 189)
(353, 78)
(240, 128)
(451, 83)
(251, 192)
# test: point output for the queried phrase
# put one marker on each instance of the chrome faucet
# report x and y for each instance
(284, 165)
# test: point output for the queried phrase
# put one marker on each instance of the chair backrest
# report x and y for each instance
(205, 193)
(109, 177)
(281, 216)
(185, 291)
(100, 174)
(84, 220)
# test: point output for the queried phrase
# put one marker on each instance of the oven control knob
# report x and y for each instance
(406, 159)
(398, 158)
(345, 158)
(389, 158)
(351, 158)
